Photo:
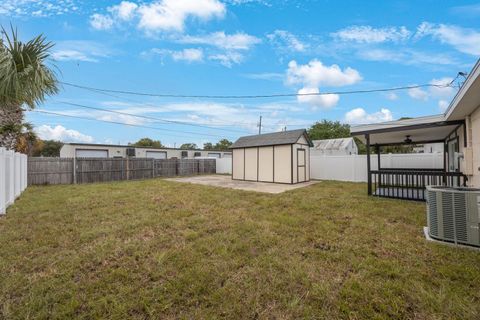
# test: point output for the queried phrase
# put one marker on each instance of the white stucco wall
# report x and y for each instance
(475, 121)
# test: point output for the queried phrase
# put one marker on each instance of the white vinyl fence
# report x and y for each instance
(354, 167)
(224, 165)
(13, 177)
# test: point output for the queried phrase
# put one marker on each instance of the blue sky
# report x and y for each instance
(243, 47)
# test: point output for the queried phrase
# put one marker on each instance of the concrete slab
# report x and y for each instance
(225, 181)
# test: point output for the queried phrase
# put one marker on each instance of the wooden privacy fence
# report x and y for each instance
(90, 170)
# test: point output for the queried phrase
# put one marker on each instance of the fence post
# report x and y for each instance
(3, 181)
(74, 170)
(153, 168)
(128, 169)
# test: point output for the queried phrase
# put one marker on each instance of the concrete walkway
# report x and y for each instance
(225, 181)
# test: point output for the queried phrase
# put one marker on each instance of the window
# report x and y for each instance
(197, 154)
(214, 155)
(156, 154)
(184, 154)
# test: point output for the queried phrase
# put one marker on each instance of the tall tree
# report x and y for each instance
(49, 148)
(188, 146)
(223, 144)
(28, 142)
(25, 81)
(327, 129)
(147, 142)
(207, 146)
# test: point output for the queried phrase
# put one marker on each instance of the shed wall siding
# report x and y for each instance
(265, 164)
(251, 156)
(283, 164)
(238, 164)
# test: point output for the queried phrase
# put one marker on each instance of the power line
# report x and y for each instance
(256, 96)
(147, 117)
(125, 124)
(98, 91)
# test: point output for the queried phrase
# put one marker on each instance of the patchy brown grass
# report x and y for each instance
(158, 249)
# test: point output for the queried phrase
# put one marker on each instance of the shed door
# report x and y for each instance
(301, 165)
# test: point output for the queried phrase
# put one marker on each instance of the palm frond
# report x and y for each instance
(25, 77)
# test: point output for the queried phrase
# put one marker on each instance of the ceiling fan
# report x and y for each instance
(407, 139)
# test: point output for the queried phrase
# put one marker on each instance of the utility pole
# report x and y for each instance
(260, 126)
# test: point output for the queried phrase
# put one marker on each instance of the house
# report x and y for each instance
(77, 150)
(280, 157)
(334, 147)
(458, 129)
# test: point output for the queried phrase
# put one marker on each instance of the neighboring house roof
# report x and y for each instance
(270, 139)
(332, 144)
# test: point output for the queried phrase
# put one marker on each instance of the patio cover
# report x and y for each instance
(420, 130)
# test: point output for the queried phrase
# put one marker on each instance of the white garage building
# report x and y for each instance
(280, 157)
(79, 150)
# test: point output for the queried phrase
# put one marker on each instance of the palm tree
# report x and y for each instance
(25, 82)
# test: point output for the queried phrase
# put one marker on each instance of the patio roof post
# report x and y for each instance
(377, 150)
(369, 175)
(445, 147)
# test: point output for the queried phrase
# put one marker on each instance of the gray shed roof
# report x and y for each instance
(270, 139)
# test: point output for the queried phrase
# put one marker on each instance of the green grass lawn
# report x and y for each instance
(158, 249)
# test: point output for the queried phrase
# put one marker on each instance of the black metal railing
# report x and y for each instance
(410, 183)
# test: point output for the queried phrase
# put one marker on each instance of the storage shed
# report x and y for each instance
(280, 157)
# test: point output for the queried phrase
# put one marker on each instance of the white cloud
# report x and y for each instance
(285, 39)
(80, 50)
(368, 34)
(322, 101)
(44, 8)
(463, 39)
(189, 55)
(230, 48)
(101, 21)
(237, 41)
(62, 134)
(172, 14)
(444, 90)
(274, 76)
(313, 75)
(158, 16)
(441, 90)
(405, 56)
(443, 105)
(227, 59)
(391, 96)
(418, 93)
(72, 55)
(360, 116)
(125, 10)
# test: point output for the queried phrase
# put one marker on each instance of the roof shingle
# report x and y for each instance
(269, 139)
